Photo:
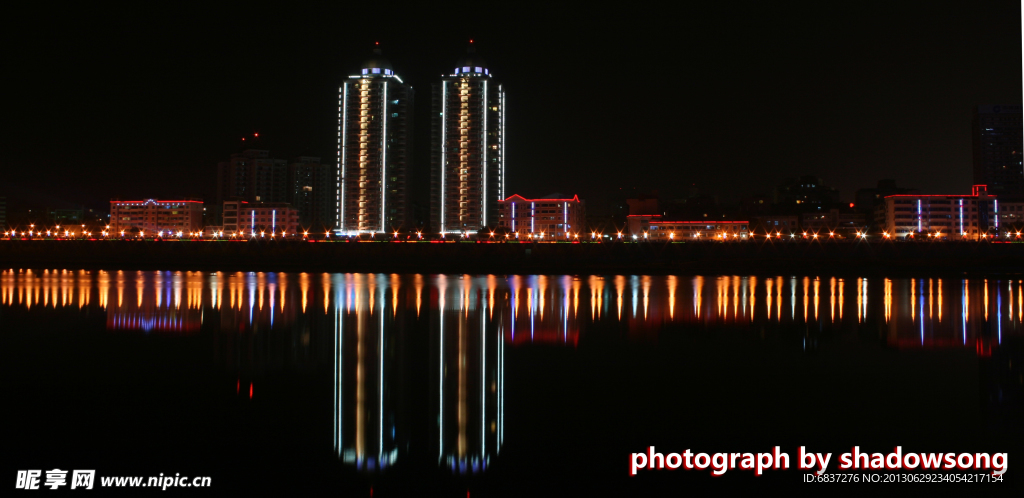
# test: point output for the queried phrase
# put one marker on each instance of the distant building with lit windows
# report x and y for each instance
(312, 189)
(375, 132)
(846, 222)
(253, 176)
(467, 167)
(998, 140)
(656, 227)
(552, 217)
(249, 218)
(777, 223)
(808, 192)
(1011, 217)
(153, 215)
(968, 217)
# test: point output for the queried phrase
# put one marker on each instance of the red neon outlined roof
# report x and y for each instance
(701, 222)
(154, 200)
(937, 195)
(575, 198)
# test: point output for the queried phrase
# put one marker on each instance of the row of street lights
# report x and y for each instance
(573, 236)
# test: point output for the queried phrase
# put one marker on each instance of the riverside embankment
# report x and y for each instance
(744, 257)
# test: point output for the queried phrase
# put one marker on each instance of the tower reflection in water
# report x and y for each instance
(364, 369)
(372, 327)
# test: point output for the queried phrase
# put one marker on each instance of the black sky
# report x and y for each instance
(143, 102)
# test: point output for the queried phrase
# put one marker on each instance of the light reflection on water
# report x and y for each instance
(473, 320)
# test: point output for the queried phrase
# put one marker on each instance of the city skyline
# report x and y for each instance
(745, 98)
(415, 250)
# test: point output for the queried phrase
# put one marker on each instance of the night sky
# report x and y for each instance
(143, 102)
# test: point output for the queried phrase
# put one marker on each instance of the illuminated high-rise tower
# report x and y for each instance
(467, 174)
(374, 150)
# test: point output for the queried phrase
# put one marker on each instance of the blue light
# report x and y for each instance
(478, 70)
(919, 215)
(376, 70)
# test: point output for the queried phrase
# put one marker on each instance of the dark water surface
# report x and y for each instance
(360, 384)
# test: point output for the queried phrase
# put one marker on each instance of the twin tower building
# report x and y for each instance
(375, 147)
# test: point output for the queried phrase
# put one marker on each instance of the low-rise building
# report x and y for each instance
(155, 216)
(1011, 217)
(833, 220)
(778, 223)
(969, 217)
(254, 218)
(552, 217)
(654, 227)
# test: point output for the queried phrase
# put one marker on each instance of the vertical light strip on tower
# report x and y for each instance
(444, 147)
(342, 128)
(501, 140)
(484, 194)
(384, 159)
(463, 155)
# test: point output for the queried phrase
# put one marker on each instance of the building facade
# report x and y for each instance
(312, 189)
(807, 192)
(998, 139)
(155, 216)
(656, 227)
(968, 217)
(550, 217)
(467, 175)
(1011, 218)
(778, 223)
(252, 219)
(834, 220)
(374, 150)
(253, 176)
